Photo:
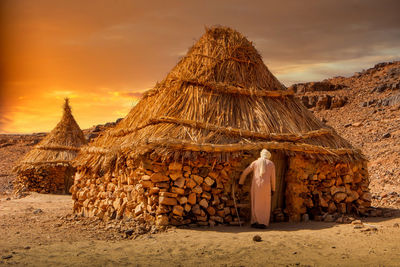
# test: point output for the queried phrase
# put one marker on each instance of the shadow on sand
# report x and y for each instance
(291, 226)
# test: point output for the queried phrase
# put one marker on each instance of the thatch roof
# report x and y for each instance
(61, 145)
(219, 98)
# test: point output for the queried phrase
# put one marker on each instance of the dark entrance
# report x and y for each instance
(278, 203)
(68, 179)
(278, 199)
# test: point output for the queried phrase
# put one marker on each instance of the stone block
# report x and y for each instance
(192, 198)
(190, 183)
(177, 210)
(167, 201)
(209, 181)
(339, 197)
(183, 200)
(177, 190)
(180, 182)
(211, 210)
(168, 194)
(174, 176)
(175, 166)
(204, 203)
(197, 189)
(187, 207)
(159, 177)
(162, 220)
(197, 178)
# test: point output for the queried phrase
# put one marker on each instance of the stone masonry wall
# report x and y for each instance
(324, 190)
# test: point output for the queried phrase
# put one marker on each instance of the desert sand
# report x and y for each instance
(35, 232)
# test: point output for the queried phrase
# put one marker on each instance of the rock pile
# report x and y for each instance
(318, 188)
(49, 179)
(166, 193)
(201, 193)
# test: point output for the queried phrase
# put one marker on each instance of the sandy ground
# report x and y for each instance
(34, 232)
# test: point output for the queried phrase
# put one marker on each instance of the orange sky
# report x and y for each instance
(103, 54)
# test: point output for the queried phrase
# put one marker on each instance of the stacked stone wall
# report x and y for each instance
(325, 190)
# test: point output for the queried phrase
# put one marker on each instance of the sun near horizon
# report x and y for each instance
(104, 55)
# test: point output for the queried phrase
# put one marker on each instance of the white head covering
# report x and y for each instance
(265, 154)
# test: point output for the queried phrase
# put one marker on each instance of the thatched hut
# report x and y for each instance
(177, 156)
(47, 167)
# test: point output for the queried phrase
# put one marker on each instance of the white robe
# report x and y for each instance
(261, 187)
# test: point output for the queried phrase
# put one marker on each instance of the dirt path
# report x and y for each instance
(33, 234)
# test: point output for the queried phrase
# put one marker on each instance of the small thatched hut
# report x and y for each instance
(177, 156)
(46, 168)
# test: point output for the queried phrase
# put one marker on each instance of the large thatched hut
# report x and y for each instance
(177, 156)
(47, 167)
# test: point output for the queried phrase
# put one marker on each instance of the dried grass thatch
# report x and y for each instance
(219, 95)
(60, 146)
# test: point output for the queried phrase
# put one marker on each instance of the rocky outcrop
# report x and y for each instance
(390, 85)
(310, 95)
(300, 88)
(392, 100)
(378, 82)
(323, 102)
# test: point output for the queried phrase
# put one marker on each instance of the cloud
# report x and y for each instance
(135, 95)
(104, 55)
(316, 71)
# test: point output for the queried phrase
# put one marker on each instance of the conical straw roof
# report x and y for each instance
(61, 145)
(219, 98)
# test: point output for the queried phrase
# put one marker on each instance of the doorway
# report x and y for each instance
(278, 199)
(68, 179)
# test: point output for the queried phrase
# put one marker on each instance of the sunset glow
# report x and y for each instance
(105, 54)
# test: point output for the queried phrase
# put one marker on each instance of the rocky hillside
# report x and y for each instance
(365, 109)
